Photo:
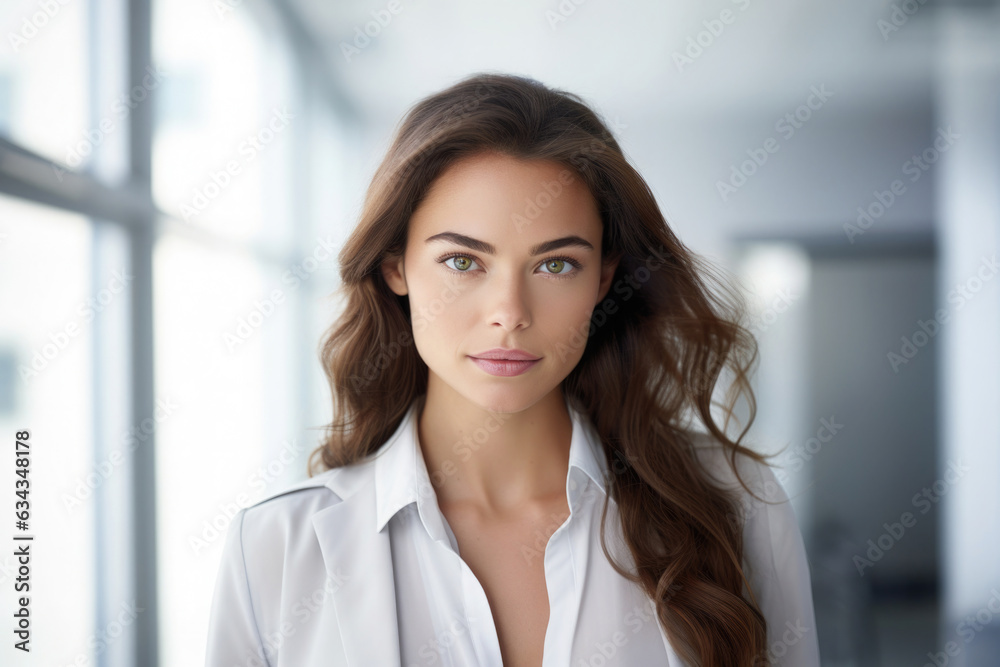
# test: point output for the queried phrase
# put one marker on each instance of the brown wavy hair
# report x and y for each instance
(647, 371)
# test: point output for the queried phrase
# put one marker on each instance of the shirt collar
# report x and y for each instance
(401, 476)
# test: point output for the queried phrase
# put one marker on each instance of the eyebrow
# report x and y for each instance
(489, 249)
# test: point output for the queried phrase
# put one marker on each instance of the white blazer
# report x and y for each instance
(290, 555)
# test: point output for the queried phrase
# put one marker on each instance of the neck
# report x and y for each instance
(494, 461)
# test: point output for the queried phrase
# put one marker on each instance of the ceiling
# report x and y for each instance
(624, 56)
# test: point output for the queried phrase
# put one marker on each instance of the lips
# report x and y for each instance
(502, 354)
(504, 367)
(504, 362)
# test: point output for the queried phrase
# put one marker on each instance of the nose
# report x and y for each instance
(508, 305)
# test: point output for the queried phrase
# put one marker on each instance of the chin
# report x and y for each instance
(507, 400)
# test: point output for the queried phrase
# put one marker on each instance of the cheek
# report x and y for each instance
(438, 308)
(566, 323)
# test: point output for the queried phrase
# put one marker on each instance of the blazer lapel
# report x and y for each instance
(361, 561)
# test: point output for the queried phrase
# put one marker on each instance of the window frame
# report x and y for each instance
(130, 206)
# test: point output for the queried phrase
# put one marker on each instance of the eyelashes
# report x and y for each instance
(569, 260)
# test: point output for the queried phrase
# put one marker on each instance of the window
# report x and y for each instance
(64, 298)
(175, 182)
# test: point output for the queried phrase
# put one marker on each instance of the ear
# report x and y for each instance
(394, 274)
(608, 268)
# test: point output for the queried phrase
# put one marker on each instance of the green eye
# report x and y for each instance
(462, 263)
(555, 265)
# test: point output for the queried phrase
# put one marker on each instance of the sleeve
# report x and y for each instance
(233, 637)
(779, 574)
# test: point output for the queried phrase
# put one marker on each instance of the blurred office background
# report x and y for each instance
(176, 179)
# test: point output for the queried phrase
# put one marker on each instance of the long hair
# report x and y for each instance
(647, 371)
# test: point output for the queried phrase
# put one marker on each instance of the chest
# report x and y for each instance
(508, 558)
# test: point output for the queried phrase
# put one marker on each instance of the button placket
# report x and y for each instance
(482, 629)
(565, 563)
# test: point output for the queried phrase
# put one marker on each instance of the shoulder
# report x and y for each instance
(774, 555)
(272, 559)
(283, 512)
(717, 460)
(272, 544)
(263, 533)
(769, 523)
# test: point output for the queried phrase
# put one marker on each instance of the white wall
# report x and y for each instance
(969, 229)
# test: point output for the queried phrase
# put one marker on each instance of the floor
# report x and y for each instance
(905, 634)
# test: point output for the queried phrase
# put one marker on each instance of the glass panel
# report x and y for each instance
(225, 360)
(43, 78)
(223, 146)
(64, 293)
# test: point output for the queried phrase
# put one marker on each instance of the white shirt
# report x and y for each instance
(372, 539)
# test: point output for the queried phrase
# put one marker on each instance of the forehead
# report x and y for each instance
(509, 200)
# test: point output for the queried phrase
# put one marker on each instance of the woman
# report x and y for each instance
(515, 473)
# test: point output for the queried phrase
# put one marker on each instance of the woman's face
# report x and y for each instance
(502, 253)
